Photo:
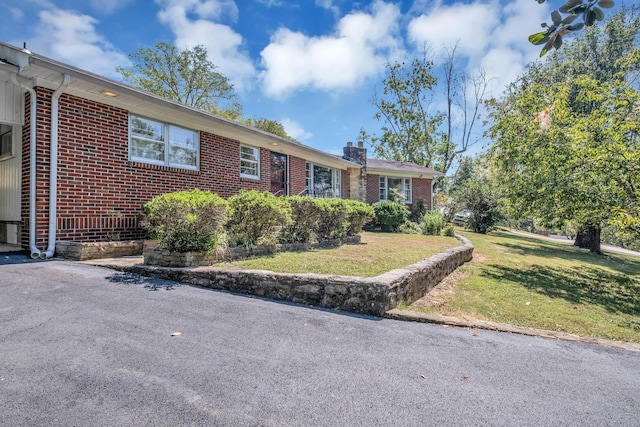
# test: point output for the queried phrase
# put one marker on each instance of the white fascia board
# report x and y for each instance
(399, 174)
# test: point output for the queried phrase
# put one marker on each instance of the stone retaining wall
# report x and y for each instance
(373, 296)
(80, 251)
(411, 283)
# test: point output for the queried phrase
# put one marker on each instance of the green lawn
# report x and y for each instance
(377, 254)
(527, 280)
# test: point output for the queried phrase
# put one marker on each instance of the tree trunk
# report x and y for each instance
(588, 237)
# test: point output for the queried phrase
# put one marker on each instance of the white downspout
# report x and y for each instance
(433, 184)
(35, 252)
(53, 168)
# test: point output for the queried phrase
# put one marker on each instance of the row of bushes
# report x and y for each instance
(203, 221)
(394, 217)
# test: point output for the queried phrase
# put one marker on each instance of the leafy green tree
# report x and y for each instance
(186, 76)
(567, 133)
(464, 94)
(411, 131)
(466, 172)
(482, 199)
(408, 129)
(272, 126)
(551, 36)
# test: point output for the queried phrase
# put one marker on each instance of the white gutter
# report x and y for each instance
(433, 184)
(35, 252)
(53, 168)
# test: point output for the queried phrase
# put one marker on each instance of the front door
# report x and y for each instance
(279, 174)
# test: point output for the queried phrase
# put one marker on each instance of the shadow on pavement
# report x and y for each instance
(147, 282)
(20, 257)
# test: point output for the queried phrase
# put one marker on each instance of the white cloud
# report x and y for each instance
(521, 20)
(295, 129)
(72, 38)
(491, 34)
(272, 3)
(224, 46)
(470, 24)
(107, 7)
(328, 4)
(205, 9)
(359, 49)
(16, 14)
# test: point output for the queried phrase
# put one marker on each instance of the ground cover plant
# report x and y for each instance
(377, 254)
(530, 281)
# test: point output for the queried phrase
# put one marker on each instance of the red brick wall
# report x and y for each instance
(297, 175)
(345, 190)
(373, 188)
(422, 190)
(100, 192)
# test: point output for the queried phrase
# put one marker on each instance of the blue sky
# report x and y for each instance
(312, 64)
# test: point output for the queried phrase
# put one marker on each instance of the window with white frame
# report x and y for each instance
(396, 189)
(249, 162)
(323, 181)
(161, 143)
(6, 142)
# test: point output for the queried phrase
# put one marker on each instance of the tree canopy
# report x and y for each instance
(189, 77)
(566, 134)
(412, 130)
(184, 75)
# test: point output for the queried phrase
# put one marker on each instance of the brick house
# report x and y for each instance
(81, 153)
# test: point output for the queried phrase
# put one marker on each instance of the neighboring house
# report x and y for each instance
(80, 154)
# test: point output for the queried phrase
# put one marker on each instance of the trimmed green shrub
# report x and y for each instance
(187, 221)
(358, 214)
(256, 217)
(389, 215)
(449, 231)
(305, 217)
(432, 223)
(333, 218)
(410, 227)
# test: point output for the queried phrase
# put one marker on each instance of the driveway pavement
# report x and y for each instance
(86, 346)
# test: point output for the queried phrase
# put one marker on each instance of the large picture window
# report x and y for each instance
(395, 189)
(323, 181)
(163, 143)
(249, 162)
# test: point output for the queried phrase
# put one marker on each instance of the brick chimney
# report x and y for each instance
(356, 154)
(357, 176)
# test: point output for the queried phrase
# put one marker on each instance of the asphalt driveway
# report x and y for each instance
(87, 346)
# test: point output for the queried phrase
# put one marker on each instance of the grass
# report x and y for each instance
(529, 281)
(377, 254)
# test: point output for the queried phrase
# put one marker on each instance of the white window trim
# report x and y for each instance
(257, 162)
(167, 143)
(408, 200)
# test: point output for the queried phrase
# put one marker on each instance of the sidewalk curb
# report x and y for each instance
(413, 316)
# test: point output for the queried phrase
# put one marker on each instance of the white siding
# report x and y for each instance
(10, 180)
(11, 100)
